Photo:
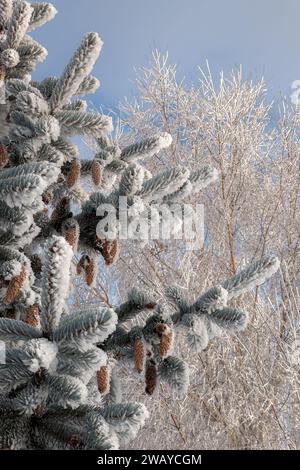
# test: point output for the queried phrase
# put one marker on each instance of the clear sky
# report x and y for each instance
(262, 35)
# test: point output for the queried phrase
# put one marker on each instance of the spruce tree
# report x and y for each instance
(58, 384)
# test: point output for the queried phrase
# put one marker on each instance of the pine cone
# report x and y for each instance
(14, 287)
(109, 249)
(61, 212)
(47, 197)
(103, 379)
(151, 377)
(160, 329)
(166, 343)
(96, 173)
(74, 442)
(32, 315)
(71, 233)
(166, 335)
(87, 265)
(3, 156)
(74, 173)
(90, 272)
(80, 265)
(139, 354)
(150, 306)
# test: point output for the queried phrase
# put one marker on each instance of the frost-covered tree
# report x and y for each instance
(225, 120)
(49, 382)
(58, 386)
(49, 394)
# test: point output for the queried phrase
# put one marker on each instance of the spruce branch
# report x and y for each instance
(76, 71)
(13, 376)
(137, 302)
(66, 390)
(131, 180)
(252, 276)
(203, 177)
(15, 330)
(174, 372)
(41, 14)
(6, 8)
(55, 280)
(229, 319)
(93, 325)
(213, 299)
(88, 85)
(126, 419)
(18, 25)
(146, 148)
(168, 181)
(82, 123)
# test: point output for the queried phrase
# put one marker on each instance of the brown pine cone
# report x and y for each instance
(166, 343)
(151, 377)
(139, 354)
(71, 233)
(90, 272)
(14, 287)
(166, 335)
(3, 156)
(80, 265)
(74, 173)
(103, 379)
(74, 441)
(96, 173)
(47, 197)
(32, 315)
(109, 250)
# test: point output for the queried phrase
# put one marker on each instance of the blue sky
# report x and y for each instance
(262, 35)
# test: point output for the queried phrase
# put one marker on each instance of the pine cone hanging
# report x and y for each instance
(166, 343)
(74, 173)
(32, 315)
(90, 272)
(87, 265)
(80, 265)
(74, 441)
(61, 212)
(166, 336)
(70, 231)
(96, 173)
(109, 249)
(151, 376)
(139, 354)
(103, 379)
(47, 197)
(3, 156)
(14, 287)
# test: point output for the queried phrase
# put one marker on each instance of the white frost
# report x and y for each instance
(43, 354)
(164, 140)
